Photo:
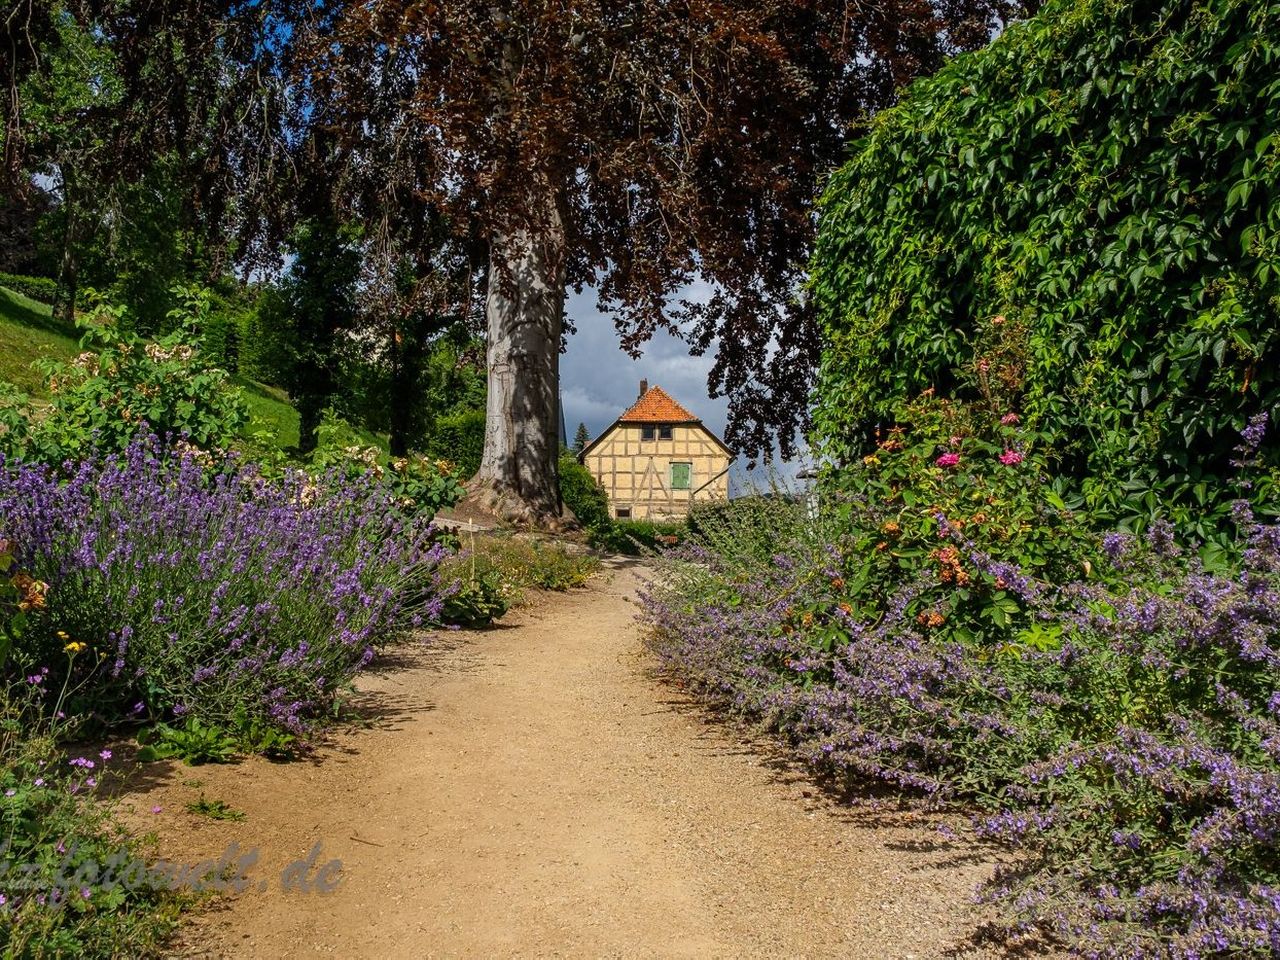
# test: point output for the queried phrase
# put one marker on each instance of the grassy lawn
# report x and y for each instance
(29, 332)
(269, 410)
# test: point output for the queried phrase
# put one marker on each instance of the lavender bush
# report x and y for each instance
(1119, 728)
(201, 590)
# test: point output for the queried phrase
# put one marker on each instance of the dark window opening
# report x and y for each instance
(624, 513)
(664, 432)
(646, 433)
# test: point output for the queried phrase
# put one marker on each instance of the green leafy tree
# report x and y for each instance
(316, 304)
(581, 438)
(77, 83)
(1105, 179)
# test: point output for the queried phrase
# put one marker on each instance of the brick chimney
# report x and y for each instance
(644, 387)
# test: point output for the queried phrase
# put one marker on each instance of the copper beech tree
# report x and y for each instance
(634, 146)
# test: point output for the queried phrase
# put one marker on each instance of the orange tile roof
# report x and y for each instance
(656, 406)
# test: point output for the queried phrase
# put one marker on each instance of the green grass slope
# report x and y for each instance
(29, 332)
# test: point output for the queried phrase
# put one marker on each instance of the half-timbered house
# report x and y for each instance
(658, 459)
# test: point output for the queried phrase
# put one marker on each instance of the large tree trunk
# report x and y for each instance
(524, 309)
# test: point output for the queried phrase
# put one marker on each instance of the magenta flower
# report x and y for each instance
(1010, 458)
(1009, 419)
(948, 460)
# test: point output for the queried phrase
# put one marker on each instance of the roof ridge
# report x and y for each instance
(657, 406)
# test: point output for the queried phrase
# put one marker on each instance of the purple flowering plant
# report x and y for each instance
(204, 591)
(1118, 727)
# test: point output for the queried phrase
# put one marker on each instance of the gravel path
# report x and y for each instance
(532, 791)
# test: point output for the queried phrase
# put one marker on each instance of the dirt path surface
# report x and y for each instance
(532, 791)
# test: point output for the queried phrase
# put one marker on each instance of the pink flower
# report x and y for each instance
(1009, 419)
(949, 460)
(1010, 458)
(156, 809)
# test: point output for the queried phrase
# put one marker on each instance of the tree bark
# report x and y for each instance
(64, 305)
(524, 309)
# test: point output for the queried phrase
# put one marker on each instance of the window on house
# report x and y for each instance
(624, 513)
(664, 432)
(681, 476)
(646, 433)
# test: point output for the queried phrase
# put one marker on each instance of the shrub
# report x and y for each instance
(19, 594)
(1095, 181)
(459, 439)
(418, 484)
(526, 562)
(582, 493)
(121, 385)
(490, 574)
(637, 536)
(476, 594)
(202, 591)
(40, 289)
(1116, 723)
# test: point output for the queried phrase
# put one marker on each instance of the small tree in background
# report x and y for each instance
(316, 303)
(581, 438)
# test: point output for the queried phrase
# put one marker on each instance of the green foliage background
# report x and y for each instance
(1106, 175)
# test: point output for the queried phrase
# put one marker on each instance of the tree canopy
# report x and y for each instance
(1105, 177)
(677, 141)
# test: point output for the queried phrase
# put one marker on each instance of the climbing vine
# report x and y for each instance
(1107, 175)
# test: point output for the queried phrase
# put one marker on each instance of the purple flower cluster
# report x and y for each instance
(210, 591)
(1124, 735)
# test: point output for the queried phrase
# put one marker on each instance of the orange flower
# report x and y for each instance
(930, 618)
(32, 590)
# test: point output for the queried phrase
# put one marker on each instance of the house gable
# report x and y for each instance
(657, 458)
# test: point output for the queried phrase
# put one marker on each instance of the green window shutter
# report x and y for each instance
(681, 473)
